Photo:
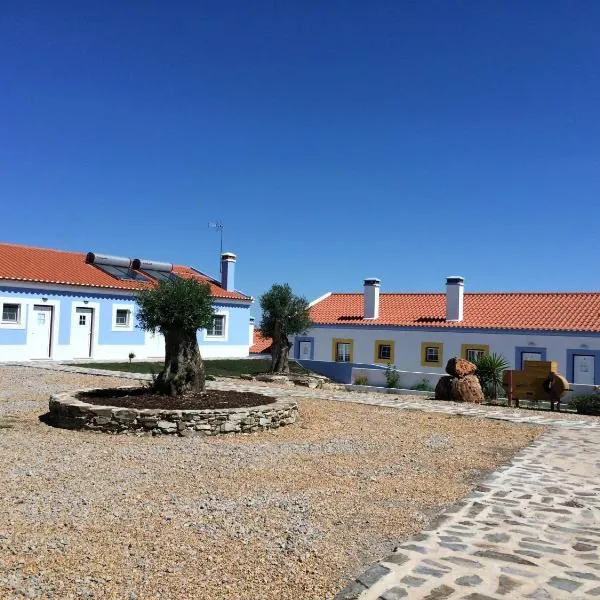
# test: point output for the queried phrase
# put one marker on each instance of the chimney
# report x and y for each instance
(455, 288)
(371, 298)
(228, 271)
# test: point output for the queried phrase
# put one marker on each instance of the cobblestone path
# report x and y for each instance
(530, 530)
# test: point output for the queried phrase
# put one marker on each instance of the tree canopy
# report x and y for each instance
(283, 314)
(178, 304)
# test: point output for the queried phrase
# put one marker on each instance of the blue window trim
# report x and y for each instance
(304, 339)
(583, 352)
(520, 349)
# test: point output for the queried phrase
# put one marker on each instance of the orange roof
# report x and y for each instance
(42, 265)
(556, 311)
(260, 344)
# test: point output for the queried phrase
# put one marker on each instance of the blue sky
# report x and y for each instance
(336, 140)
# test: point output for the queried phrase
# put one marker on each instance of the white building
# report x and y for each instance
(418, 333)
(71, 305)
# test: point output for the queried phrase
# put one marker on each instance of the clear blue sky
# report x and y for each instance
(336, 140)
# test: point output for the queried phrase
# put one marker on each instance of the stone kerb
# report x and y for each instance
(67, 411)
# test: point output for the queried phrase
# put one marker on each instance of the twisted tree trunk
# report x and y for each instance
(184, 370)
(279, 354)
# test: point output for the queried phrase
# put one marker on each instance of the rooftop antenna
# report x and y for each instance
(218, 226)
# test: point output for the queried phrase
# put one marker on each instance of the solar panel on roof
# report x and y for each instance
(161, 275)
(123, 273)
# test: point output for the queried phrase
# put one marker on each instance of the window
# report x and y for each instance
(342, 353)
(82, 319)
(473, 351)
(217, 329)
(473, 355)
(11, 313)
(122, 317)
(342, 350)
(432, 354)
(384, 352)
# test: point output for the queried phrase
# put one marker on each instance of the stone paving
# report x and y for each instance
(530, 530)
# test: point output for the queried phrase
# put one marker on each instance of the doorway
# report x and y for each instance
(40, 331)
(82, 329)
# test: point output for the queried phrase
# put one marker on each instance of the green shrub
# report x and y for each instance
(586, 405)
(422, 386)
(489, 372)
(392, 377)
(361, 380)
(210, 378)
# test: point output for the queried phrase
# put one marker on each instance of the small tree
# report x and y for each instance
(177, 309)
(283, 314)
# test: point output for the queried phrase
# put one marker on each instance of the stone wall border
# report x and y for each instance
(68, 412)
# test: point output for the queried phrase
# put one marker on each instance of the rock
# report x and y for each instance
(467, 389)
(229, 427)
(247, 377)
(460, 389)
(443, 388)
(309, 382)
(460, 367)
(167, 426)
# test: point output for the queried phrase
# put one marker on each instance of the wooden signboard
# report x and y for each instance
(532, 382)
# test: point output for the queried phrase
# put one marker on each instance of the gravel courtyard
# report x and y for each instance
(287, 514)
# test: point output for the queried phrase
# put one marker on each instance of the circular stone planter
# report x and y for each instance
(67, 411)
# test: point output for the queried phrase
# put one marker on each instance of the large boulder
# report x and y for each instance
(460, 367)
(464, 389)
(467, 389)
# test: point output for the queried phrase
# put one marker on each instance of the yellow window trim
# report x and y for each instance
(439, 346)
(337, 341)
(465, 347)
(384, 361)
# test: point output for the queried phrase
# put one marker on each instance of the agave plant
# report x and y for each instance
(489, 372)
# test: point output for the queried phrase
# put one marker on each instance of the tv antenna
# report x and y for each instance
(218, 226)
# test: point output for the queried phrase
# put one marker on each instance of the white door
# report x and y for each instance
(583, 369)
(305, 350)
(81, 332)
(40, 332)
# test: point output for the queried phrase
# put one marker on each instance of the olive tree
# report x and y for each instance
(177, 309)
(283, 314)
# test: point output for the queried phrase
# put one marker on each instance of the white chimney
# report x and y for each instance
(455, 289)
(228, 271)
(371, 298)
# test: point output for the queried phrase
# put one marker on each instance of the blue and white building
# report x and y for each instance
(70, 305)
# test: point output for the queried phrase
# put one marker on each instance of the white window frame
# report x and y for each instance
(130, 321)
(437, 354)
(21, 323)
(219, 338)
(479, 353)
(345, 357)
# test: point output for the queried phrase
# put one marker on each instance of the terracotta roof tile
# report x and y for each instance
(42, 265)
(260, 344)
(556, 311)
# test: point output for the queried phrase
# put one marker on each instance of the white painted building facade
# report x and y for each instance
(345, 349)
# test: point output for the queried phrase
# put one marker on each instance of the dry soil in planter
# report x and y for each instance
(145, 398)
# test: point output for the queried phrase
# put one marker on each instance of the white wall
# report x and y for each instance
(408, 344)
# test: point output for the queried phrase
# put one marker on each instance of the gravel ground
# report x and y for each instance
(287, 514)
